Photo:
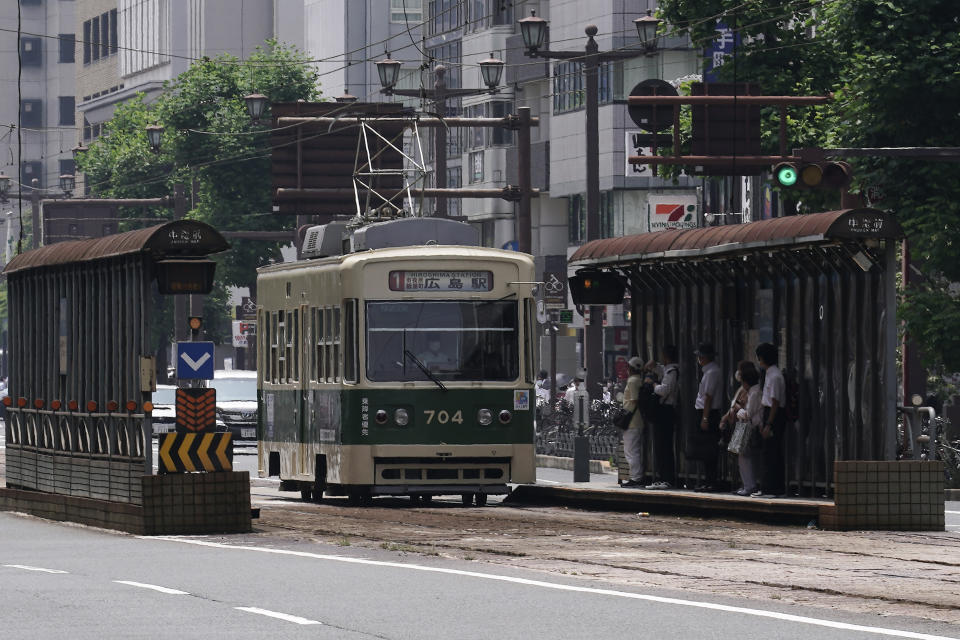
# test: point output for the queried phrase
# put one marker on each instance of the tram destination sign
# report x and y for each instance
(441, 281)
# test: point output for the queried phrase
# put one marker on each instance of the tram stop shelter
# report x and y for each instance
(81, 373)
(821, 287)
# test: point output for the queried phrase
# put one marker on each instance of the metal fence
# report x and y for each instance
(91, 455)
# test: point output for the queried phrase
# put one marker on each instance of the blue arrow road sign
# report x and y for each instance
(195, 360)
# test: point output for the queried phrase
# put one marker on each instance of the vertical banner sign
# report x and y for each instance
(636, 143)
(720, 48)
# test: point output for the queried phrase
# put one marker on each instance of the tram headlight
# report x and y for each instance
(401, 417)
(380, 416)
(484, 417)
(505, 416)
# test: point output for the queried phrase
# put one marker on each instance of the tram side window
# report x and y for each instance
(350, 346)
(280, 350)
(292, 353)
(528, 339)
(316, 344)
(335, 344)
(274, 349)
(263, 341)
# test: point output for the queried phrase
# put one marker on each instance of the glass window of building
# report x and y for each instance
(67, 42)
(406, 11)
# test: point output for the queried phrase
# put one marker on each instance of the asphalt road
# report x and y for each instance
(98, 584)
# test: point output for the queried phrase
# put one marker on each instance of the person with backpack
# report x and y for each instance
(773, 426)
(664, 420)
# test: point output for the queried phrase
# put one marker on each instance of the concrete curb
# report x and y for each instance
(559, 462)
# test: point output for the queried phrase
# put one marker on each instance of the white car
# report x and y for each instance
(237, 401)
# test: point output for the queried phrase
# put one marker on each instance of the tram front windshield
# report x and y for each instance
(453, 340)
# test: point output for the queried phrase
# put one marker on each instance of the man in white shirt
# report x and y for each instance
(633, 436)
(665, 420)
(706, 434)
(774, 422)
(577, 384)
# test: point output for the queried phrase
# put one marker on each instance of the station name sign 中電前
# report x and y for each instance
(441, 280)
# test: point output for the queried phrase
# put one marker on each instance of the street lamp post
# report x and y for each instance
(533, 29)
(388, 70)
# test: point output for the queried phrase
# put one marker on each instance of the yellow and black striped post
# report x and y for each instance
(181, 452)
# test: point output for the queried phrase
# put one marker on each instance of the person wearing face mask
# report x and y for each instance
(746, 407)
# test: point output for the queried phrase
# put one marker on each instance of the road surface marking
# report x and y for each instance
(279, 616)
(956, 513)
(547, 481)
(175, 592)
(787, 617)
(41, 569)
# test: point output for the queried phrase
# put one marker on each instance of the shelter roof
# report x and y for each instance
(765, 235)
(183, 238)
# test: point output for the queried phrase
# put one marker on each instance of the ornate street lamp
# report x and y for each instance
(389, 71)
(4, 185)
(256, 104)
(533, 30)
(346, 98)
(154, 135)
(78, 151)
(647, 27)
(492, 70)
(67, 184)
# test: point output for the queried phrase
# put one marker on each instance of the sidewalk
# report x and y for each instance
(603, 492)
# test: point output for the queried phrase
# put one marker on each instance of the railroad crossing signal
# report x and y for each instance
(180, 452)
(812, 175)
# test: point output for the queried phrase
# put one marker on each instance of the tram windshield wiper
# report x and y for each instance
(423, 367)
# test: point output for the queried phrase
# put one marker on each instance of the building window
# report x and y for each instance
(113, 31)
(68, 108)
(501, 11)
(406, 11)
(68, 44)
(444, 16)
(68, 167)
(31, 52)
(607, 220)
(31, 113)
(29, 171)
(95, 39)
(454, 181)
(500, 109)
(104, 34)
(87, 26)
(569, 86)
(576, 219)
(476, 166)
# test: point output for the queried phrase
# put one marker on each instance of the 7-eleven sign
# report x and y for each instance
(673, 212)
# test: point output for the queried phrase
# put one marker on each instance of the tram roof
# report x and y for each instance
(395, 253)
(190, 238)
(763, 235)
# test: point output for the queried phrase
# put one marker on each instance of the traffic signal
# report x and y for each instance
(596, 287)
(812, 175)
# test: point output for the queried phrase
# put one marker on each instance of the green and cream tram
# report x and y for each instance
(402, 370)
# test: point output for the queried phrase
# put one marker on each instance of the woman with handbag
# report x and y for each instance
(744, 418)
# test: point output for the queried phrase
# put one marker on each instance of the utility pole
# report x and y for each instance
(179, 304)
(35, 213)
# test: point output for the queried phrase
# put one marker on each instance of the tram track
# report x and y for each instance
(860, 571)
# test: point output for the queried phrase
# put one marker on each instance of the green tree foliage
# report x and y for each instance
(210, 146)
(893, 67)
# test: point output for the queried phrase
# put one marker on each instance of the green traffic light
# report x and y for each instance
(787, 176)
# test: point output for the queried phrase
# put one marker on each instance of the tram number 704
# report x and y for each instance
(442, 416)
